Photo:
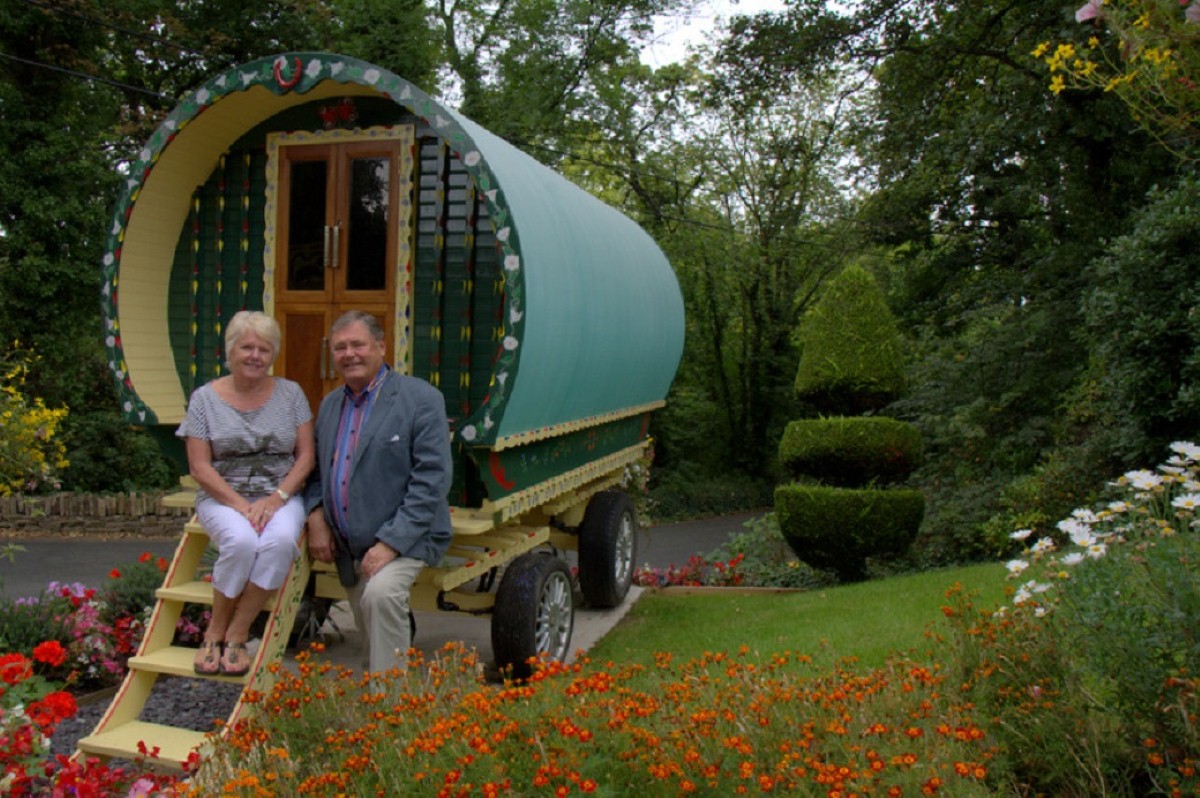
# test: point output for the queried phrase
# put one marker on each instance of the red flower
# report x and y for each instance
(114, 574)
(50, 653)
(52, 709)
(63, 704)
(146, 557)
(14, 668)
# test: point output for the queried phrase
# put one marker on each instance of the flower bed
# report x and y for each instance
(1085, 685)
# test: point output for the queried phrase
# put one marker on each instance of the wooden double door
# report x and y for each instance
(337, 238)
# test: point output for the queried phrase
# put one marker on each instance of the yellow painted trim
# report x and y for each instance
(406, 135)
(522, 438)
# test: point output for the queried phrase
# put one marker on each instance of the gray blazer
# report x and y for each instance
(400, 472)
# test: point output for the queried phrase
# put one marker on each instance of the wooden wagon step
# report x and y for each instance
(118, 733)
(136, 740)
(195, 592)
(177, 661)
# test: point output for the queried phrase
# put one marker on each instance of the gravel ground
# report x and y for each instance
(185, 703)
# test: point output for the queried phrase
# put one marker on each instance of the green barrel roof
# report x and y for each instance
(602, 312)
(594, 315)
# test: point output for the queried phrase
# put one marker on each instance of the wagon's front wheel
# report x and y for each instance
(534, 613)
(607, 548)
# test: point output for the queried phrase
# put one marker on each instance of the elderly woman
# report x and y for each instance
(249, 440)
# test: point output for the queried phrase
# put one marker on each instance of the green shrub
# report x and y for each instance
(1096, 659)
(108, 455)
(1036, 501)
(686, 492)
(130, 588)
(26, 622)
(851, 452)
(839, 528)
(853, 353)
(766, 558)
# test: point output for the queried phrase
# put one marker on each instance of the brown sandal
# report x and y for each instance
(236, 660)
(208, 658)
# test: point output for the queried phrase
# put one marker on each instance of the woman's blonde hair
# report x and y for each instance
(255, 322)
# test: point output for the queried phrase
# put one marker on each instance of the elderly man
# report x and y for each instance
(377, 497)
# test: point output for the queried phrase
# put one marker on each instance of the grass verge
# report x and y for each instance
(866, 621)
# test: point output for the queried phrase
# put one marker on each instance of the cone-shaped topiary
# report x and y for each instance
(851, 364)
(853, 353)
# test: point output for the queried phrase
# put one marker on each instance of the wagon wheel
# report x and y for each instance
(607, 548)
(534, 612)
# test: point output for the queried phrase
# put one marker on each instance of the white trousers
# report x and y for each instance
(381, 610)
(243, 554)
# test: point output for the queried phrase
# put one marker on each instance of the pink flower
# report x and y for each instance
(1193, 12)
(1090, 10)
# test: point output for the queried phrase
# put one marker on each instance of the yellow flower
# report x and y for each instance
(1058, 84)
(1040, 50)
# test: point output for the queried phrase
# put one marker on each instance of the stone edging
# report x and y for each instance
(142, 514)
(731, 590)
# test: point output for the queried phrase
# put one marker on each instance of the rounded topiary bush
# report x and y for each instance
(853, 358)
(838, 528)
(850, 452)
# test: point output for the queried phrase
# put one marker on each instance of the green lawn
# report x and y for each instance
(868, 620)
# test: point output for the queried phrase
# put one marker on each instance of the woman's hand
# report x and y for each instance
(260, 512)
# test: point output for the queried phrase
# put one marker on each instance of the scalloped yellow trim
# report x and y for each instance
(543, 493)
(522, 438)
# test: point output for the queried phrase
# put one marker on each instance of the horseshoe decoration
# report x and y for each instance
(290, 83)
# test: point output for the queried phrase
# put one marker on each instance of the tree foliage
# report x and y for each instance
(993, 199)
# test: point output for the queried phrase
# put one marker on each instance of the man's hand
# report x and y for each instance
(376, 557)
(320, 536)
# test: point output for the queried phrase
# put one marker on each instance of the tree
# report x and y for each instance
(536, 71)
(1144, 51)
(763, 234)
(992, 197)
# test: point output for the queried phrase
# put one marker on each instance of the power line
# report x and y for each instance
(91, 78)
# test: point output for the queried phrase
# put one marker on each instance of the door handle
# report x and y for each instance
(324, 357)
(337, 244)
(325, 251)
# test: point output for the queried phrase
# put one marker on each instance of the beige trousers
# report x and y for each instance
(381, 610)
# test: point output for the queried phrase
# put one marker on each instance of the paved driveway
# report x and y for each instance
(89, 561)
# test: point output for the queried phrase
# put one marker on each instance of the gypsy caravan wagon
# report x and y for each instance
(308, 184)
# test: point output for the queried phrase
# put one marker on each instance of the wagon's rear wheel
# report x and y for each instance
(607, 548)
(534, 612)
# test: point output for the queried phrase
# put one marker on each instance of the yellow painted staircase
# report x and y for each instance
(119, 733)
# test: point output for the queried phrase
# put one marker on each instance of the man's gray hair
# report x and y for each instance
(352, 316)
